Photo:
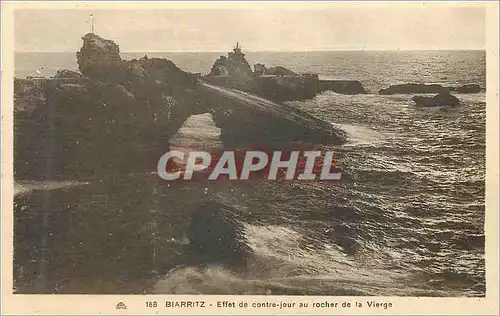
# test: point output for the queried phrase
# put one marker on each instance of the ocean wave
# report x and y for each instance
(281, 266)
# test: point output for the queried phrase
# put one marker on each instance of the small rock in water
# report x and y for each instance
(444, 98)
(469, 88)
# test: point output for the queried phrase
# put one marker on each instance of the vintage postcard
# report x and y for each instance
(250, 158)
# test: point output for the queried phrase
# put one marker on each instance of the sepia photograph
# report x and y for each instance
(331, 150)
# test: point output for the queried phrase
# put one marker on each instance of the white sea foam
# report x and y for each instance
(281, 265)
(23, 187)
(360, 135)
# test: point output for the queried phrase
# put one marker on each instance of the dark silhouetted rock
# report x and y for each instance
(116, 120)
(233, 70)
(444, 98)
(277, 83)
(342, 86)
(290, 88)
(100, 59)
(246, 119)
(409, 88)
(119, 117)
(217, 236)
(468, 88)
(68, 74)
(259, 69)
(280, 71)
(28, 95)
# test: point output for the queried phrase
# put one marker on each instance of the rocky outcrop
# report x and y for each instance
(68, 74)
(280, 71)
(259, 69)
(99, 59)
(444, 98)
(277, 83)
(86, 132)
(234, 67)
(217, 236)
(28, 95)
(248, 121)
(290, 88)
(468, 88)
(117, 120)
(342, 86)
(412, 88)
(118, 117)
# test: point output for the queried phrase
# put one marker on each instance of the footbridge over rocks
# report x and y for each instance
(119, 116)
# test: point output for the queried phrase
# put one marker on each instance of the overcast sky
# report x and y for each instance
(336, 28)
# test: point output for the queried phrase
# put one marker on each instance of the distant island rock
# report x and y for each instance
(412, 88)
(274, 83)
(469, 88)
(415, 88)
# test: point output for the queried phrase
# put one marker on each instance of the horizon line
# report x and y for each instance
(283, 51)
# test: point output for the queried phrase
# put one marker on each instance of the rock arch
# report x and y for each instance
(119, 116)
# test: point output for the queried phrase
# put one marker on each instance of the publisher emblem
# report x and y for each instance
(121, 305)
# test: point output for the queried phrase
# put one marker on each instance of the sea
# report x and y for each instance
(407, 219)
